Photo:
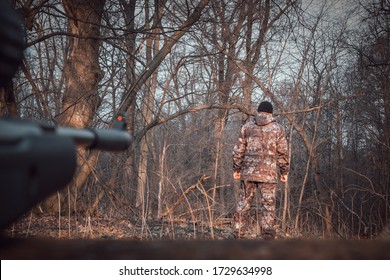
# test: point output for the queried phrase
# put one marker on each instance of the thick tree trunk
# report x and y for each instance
(83, 75)
(7, 101)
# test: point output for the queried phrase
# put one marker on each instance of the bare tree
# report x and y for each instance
(82, 76)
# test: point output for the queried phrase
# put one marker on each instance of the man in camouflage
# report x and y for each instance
(260, 149)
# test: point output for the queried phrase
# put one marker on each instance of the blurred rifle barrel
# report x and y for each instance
(38, 159)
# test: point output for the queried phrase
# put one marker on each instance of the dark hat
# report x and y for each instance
(266, 107)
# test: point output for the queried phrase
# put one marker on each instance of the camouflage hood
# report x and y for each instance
(263, 119)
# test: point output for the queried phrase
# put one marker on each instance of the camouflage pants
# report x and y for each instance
(267, 200)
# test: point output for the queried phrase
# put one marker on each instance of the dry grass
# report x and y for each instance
(50, 226)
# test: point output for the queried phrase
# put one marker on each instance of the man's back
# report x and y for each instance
(261, 147)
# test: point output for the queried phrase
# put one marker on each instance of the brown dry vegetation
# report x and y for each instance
(111, 228)
(50, 226)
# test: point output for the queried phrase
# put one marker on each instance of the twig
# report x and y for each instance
(187, 191)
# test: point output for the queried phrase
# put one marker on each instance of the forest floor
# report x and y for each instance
(49, 226)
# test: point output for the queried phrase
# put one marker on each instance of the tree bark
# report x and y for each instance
(7, 101)
(152, 43)
(83, 74)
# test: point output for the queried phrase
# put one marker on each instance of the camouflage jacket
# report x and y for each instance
(261, 147)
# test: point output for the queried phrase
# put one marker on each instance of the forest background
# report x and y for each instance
(188, 74)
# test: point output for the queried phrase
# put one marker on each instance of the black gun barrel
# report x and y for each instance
(114, 139)
(37, 159)
(100, 139)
